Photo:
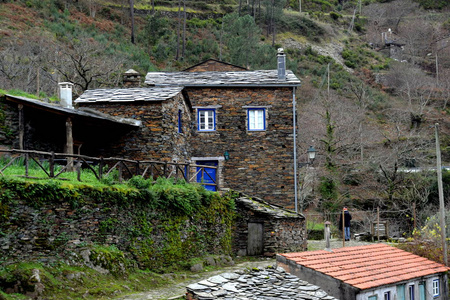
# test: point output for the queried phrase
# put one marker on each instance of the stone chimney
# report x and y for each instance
(281, 57)
(65, 94)
(131, 78)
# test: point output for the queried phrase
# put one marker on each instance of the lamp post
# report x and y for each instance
(311, 152)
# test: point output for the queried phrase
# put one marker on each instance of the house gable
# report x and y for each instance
(214, 65)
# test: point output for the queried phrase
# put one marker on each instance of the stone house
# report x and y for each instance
(370, 272)
(243, 124)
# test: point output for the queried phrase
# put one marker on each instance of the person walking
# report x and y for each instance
(344, 222)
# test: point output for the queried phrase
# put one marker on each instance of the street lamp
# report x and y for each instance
(311, 154)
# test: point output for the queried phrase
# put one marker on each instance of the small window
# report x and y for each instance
(387, 295)
(256, 119)
(411, 292)
(373, 297)
(180, 121)
(435, 288)
(206, 120)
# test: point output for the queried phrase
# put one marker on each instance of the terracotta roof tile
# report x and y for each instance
(368, 266)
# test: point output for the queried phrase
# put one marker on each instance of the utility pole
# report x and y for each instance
(441, 195)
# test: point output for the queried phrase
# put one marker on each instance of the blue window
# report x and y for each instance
(411, 292)
(435, 288)
(180, 122)
(373, 297)
(206, 119)
(256, 119)
(387, 295)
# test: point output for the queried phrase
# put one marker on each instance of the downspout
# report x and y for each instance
(295, 149)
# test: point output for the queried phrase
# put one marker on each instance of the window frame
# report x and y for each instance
(387, 295)
(436, 288)
(411, 292)
(207, 111)
(256, 109)
(180, 121)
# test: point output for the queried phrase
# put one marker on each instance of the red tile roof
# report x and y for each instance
(367, 266)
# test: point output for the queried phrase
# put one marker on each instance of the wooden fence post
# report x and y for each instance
(26, 164)
(100, 168)
(52, 165)
(187, 172)
(120, 171)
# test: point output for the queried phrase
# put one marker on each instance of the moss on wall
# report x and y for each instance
(155, 226)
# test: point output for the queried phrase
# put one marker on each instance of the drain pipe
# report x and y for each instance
(294, 115)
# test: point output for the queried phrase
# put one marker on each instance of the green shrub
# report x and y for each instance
(334, 15)
(139, 182)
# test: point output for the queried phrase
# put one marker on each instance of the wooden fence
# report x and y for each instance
(55, 164)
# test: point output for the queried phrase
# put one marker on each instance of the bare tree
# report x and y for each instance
(132, 20)
(414, 86)
(86, 67)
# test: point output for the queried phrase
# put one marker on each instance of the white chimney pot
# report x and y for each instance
(65, 94)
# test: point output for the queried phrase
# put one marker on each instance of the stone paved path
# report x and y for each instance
(179, 289)
(173, 291)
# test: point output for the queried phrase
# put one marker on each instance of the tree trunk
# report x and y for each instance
(183, 49)
(132, 20)
(177, 55)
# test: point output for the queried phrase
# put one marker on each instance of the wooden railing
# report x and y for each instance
(55, 164)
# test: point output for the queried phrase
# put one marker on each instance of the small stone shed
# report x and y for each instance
(266, 229)
(370, 272)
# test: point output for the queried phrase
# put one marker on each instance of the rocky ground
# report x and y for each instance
(177, 288)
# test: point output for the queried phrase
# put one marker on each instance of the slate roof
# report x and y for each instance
(258, 205)
(57, 109)
(268, 78)
(368, 266)
(129, 95)
(257, 283)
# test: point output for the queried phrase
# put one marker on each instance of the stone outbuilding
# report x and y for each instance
(370, 272)
(265, 229)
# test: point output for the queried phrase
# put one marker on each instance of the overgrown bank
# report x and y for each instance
(75, 232)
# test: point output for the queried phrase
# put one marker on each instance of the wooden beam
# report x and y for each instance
(21, 126)
(69, 143)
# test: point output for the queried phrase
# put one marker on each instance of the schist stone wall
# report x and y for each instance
(280, 230)
(261, 162)
(158, 137)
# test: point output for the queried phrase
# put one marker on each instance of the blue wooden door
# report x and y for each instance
(207, 176)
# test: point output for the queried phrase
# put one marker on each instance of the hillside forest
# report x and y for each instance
(375, 76)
